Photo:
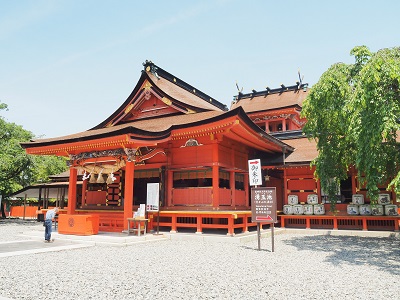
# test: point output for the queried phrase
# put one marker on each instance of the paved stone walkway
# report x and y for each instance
(35, 246)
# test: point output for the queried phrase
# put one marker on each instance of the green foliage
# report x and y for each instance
(353, 113)
(377, 106)
(13, 159)
(18, 169)
(327, 111)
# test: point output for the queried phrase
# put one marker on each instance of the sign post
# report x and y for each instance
(255, 177)
(263, 209)
(153, 202)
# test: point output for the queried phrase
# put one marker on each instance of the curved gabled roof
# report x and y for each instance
(168, 88)
(234, 124)
(161, 108)
(186, 92)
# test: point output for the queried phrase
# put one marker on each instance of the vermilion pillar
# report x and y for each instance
(73, 175)
(246, 189)
(84, 188)
(128, 195)
(232, 179)
(215, 176)
(232, 185)
(285, 190)
(170, 181)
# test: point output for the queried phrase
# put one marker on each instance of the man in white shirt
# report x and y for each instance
(48, 222)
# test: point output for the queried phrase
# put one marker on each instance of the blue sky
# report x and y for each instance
(65, 66)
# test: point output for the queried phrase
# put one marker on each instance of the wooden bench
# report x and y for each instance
(139, 225)
(341, 222)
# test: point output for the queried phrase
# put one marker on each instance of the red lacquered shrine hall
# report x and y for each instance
(171, 133)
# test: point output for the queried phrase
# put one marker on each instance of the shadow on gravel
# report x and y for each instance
(383, 253)
(18, 222)
(256, 248)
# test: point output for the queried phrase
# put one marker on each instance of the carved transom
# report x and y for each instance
(191, 143)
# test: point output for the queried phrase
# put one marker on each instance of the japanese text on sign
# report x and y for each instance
(255, 172)
(263, 206)
(152, 203)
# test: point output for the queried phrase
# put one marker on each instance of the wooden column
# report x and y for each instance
(24, 206)
(318, 187)
(353, 183)
(215, 175)
(63, 197)
(232, 185)
(246, 189)
(285, 192)
(40, 199)
(84, 187)
(170, 180)
(232, 177)
(128, 195)
(73, 176)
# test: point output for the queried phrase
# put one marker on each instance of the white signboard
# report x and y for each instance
(255, 177)
(153, 192)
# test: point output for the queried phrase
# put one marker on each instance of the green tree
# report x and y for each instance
(353, 113)
(18, 169)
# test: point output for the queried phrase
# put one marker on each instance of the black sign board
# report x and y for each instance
(263, 205)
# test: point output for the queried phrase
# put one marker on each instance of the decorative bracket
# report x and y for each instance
(130, 152)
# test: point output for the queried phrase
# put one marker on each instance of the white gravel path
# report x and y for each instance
(302, 267)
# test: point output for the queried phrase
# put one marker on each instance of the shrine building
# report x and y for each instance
(170, 133)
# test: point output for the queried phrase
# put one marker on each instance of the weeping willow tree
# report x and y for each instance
(353, 113)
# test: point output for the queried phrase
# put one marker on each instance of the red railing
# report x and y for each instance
(228, 220)
(341, 222)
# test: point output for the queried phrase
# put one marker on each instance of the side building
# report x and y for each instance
(300, 198)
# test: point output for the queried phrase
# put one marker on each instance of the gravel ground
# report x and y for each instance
(302, 267)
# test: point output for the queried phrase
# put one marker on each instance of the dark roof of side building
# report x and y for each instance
(269, 99)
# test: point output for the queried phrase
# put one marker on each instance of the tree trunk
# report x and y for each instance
(3, 212)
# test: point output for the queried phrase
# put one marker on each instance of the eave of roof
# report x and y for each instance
(156, 128)
(32, 191)
(153, 131)
(305, 150)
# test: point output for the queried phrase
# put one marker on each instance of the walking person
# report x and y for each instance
(48, 223)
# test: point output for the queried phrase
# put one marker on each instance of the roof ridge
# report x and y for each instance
(288, 134)
(268, 91)
(158, 72)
